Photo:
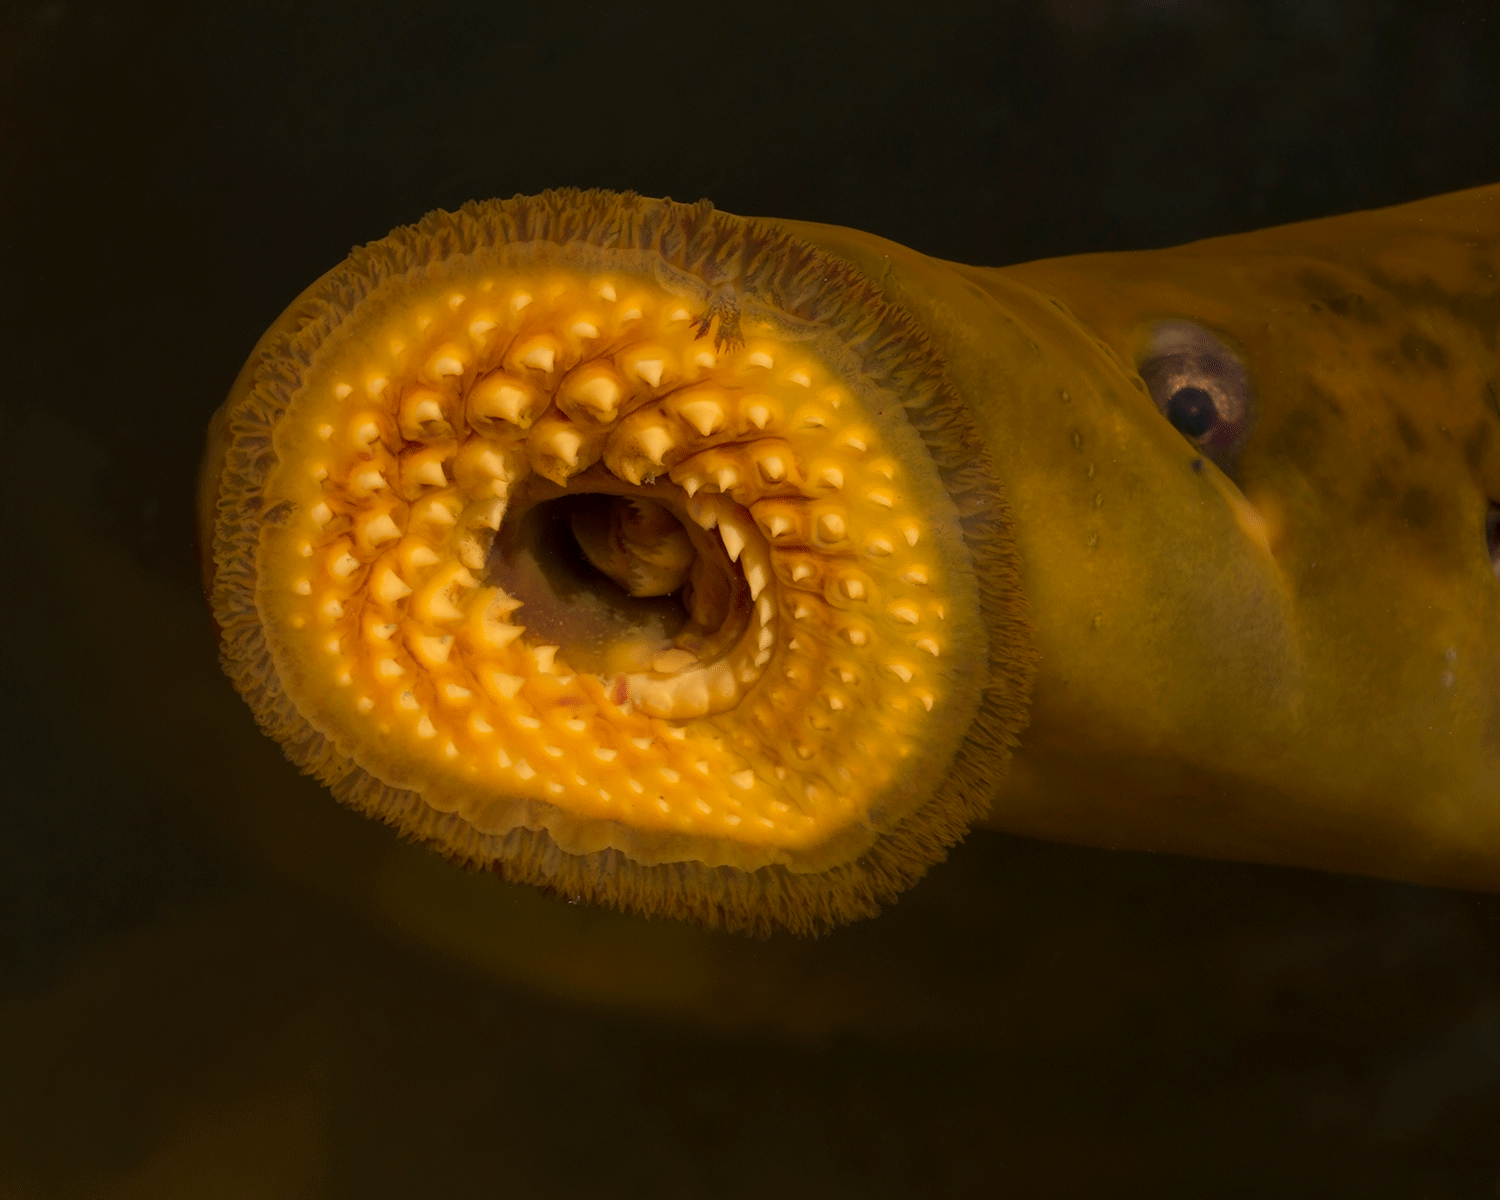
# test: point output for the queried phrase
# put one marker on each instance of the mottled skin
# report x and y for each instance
(1301, 664)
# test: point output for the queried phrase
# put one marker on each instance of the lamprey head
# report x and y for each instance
(626, 548)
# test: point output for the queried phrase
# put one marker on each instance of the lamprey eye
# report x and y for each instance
(1201, 387)
(1492, 536)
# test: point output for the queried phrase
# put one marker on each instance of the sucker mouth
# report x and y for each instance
(441, 485)
(571, 544)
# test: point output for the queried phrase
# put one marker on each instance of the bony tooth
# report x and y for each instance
(904, 612)
(772, 468)
(648, 370)
(381, 529)
(486, 514)
(583, 327)
(342, 564)
(600, 394)
(704, 511)
(433, 650)
(831, 527)
(545, 658)
(448, 359)
(539, 355)
(654, 441)
(734, 540)
(916, 575)
(705, 415)
(488, 628)
(440, 510)
(758, 414)
(369, 479)
(500, 684)
(364, 431)
(726, 478)
(421, 413)
(499, 396)
(482, 463)
(437, 600)
(388, 586)
(879, 547)
(900, 670)
(755, 576)
(564, 444)
(423, 470)
(832, 476)
(690, 484)
(422, 555)
(911, 533)
(760, 358)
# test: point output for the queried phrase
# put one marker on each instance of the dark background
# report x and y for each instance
(178, 1018)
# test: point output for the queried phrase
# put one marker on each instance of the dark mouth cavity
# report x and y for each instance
(565, 599)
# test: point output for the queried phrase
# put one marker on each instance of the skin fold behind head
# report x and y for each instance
(1218, 523)
(1277, 639)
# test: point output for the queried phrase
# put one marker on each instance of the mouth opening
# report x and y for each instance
(624, 582)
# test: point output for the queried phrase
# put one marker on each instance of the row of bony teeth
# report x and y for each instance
(717, 686)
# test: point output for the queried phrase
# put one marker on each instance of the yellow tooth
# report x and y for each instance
(654, 442)
(599, 393)
(433, 650)
(705, 415)
(543, 358)
(734, 540)
(503, 397)
(390, 587)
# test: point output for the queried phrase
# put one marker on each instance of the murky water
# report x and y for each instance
(215, 982)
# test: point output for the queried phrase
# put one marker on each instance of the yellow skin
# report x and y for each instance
(1295, 664)
(1298, 665)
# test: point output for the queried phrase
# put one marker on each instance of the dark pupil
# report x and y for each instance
(1191, 410)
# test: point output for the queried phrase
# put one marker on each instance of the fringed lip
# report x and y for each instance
(741, 280)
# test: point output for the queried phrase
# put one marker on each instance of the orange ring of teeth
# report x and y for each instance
(835, 647)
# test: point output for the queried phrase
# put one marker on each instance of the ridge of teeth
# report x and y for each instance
(416, 485)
